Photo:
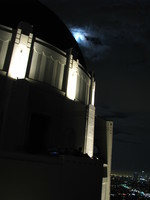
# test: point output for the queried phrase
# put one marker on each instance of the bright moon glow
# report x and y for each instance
(78, 34)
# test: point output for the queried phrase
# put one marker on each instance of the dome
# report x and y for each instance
(46, 24)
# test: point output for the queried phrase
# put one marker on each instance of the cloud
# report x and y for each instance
(90, 40)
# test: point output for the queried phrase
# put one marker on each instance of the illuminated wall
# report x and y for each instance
(20, 55)
(34, 59)
(79, 83)
(46, 64)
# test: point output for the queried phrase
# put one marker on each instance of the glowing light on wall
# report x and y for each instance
(93, 94)
(72, 82)
(19, 61)
(93, 97)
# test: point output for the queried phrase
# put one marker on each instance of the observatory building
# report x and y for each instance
(47, 109)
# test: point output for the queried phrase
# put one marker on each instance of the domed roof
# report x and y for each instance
(46, 24)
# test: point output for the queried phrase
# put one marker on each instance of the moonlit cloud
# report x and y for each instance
(91, 42)
(79, 35)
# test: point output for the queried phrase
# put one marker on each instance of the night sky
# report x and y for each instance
(114, 36)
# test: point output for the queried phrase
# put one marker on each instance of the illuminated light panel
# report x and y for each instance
(72, 83)
(92, 99)
(93, 96)
(19, 61)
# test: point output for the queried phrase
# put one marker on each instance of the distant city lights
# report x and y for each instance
(130, 186)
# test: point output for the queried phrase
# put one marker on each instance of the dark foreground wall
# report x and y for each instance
(35, 177)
